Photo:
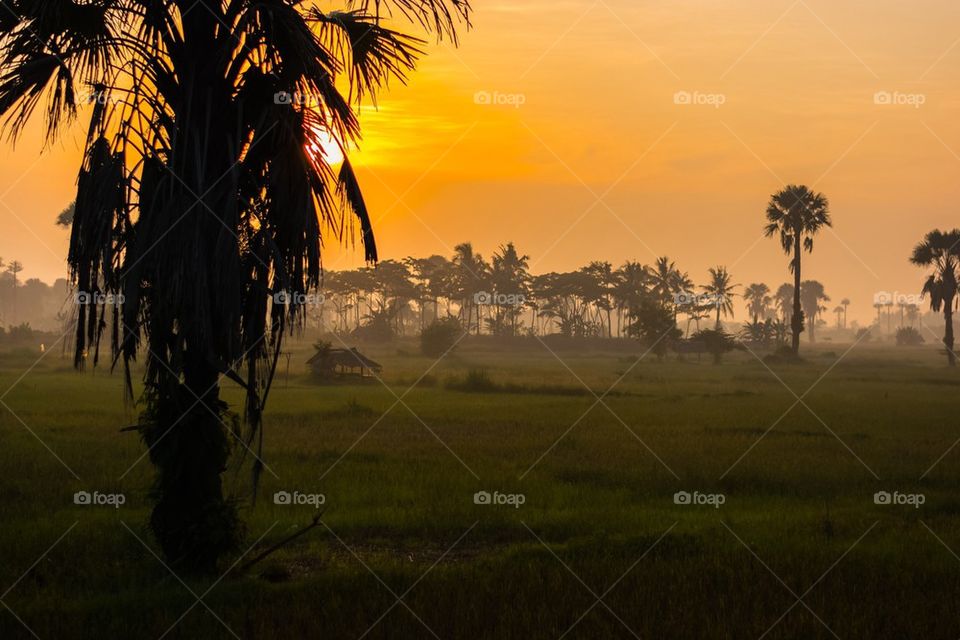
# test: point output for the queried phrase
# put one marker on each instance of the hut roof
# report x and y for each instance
(344, 358)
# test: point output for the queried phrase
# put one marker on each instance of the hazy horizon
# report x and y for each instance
(601, 166)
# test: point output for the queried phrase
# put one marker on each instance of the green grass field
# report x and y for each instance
(598, 549)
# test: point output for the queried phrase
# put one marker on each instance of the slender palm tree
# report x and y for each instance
(14, 269)
(940, 251)
(845, 303)
(204, 189)
(758, 299)
(721, 291)
(796, 214)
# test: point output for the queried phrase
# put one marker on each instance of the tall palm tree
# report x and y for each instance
(758, 299)
(796, 214)
(664, 279)
(940, 250)
(509, 275)
(202, 195)
(721, 290)
(845, 303)
(471, 277)
(632, 280)
(14, 269)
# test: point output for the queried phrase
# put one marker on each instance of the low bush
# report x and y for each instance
(440, 337)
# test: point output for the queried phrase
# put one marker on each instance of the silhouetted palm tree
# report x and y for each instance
(784, 300)
(720, 289)
(14, 269)
(796, 214)
(664, 279)
(940, 250)
(632, 280)
(846, 303)
(471, 277)
(913, 312)
(811, 295)
(758, 299)
(509, 277)
(202, 195)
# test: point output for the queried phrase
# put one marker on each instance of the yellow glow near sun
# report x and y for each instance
(325, 146)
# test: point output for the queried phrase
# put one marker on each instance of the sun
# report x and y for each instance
(325, 146)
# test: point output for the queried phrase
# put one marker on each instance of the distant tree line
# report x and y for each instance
(31, 302)
(500, 297)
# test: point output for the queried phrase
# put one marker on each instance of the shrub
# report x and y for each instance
(378, 326)
(654, 325)
(716, 342)
(783, 355)
(475, 380)
(908, 337)
(440, 337)
(20, 333)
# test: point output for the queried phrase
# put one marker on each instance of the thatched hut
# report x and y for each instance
(328, 362)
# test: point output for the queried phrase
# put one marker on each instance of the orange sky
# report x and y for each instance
(600, 162)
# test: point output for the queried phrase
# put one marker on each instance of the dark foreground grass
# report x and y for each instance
(598, 549)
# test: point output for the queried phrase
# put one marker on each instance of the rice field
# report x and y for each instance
(511, 490)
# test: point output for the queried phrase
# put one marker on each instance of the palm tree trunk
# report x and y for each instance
(796, 323)
(948, 331)
(188, 443)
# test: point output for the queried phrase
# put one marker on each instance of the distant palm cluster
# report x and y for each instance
(501, 297)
